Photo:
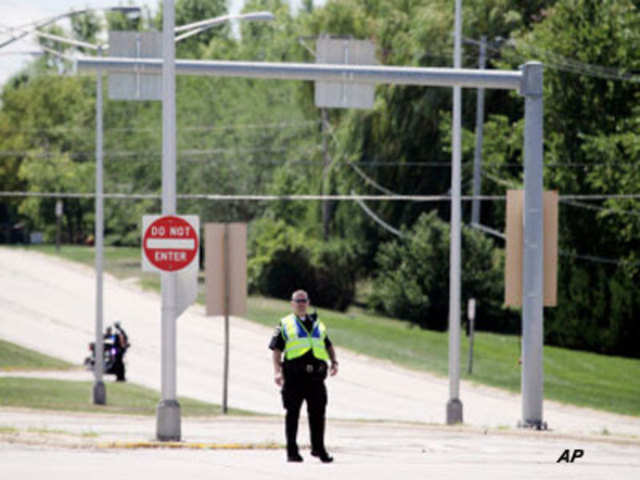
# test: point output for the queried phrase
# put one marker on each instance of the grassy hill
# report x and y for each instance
(575, 377)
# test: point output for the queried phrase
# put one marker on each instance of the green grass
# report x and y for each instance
(580, 378)
(14, 357)
(55, 394)
(122, 398)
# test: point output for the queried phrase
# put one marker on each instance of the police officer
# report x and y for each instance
(303, 340)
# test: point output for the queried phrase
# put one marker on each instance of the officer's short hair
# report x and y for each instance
(299, 292)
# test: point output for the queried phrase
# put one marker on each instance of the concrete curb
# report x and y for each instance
(188, 445)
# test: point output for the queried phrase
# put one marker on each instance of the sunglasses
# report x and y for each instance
(301, 300)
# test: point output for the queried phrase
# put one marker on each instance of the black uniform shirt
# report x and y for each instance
(278, 343)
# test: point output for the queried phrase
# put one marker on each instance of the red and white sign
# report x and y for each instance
(169, 243)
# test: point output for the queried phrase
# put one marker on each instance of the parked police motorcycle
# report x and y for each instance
(114, 347)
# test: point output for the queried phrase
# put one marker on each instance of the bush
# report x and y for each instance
(283, 259)
(597, 308)
(335, 274)
(412, 280)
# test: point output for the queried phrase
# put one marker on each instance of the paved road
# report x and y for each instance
(48, 305)
(369, 450)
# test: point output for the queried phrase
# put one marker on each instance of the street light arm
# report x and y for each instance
(69, 41)
(57, 53)
(190, 33)
(34, 26)
(24, 31)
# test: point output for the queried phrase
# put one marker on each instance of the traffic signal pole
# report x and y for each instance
(529, 83)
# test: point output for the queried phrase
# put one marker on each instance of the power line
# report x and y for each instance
(204, 152)
(377, 219)
(596, 259)
(357, 198)
(192, 128)
(604, 196)
(501, 181)
(222, 197)
(395, 197)
(559, 62)
(488, 230)
(566, 198)
(370, 181)
(139, 153)
(587, 206)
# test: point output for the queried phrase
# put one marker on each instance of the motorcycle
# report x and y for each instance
(114, 348)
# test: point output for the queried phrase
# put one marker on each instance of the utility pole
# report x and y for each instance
(99, 392)
(477, 155)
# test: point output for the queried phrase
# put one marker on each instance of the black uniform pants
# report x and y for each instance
(311, 389)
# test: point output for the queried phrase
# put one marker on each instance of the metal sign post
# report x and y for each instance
(58, 222)
(227, 296)
(471, 317)
(226, 281)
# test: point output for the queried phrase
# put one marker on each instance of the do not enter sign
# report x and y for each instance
(169, 243)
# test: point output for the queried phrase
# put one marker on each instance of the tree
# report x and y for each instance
(412, 277)
(85, 27)
(591, 147)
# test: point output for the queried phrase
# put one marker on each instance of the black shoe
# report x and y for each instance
(295, 457)
(323, 456)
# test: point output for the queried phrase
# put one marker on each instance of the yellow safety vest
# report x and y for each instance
(298, 340)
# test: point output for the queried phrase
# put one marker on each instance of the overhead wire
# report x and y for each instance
(597, 259)
(189, 128)
(559, 62)
(587, 206)
(219, 197)
(376, 218)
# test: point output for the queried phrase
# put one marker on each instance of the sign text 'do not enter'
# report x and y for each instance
(170, 243)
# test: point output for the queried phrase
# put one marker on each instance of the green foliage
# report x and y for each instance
(123, 22)
(413, 272)
(335, 274)
(279, 259)
(191, 11)
(85, 27)
(592, 146)
(283, 259)
(36, 118)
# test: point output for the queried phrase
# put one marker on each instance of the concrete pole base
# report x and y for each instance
(168, 421)
(533, 424)
(454, 411)
(99, 393)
